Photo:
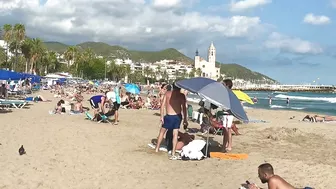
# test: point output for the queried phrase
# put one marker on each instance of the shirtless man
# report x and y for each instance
(266, 175)
(174, 102)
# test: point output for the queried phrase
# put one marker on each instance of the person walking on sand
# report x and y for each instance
(174, 103)
(227, 123)
(114, 96)
(266, 175)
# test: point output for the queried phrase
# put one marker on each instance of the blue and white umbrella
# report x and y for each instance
(216, 93)
(132, 88)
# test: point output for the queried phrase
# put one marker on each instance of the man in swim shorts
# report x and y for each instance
(266, 175)
(174, 102)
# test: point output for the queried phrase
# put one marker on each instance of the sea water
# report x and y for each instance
(321, 103)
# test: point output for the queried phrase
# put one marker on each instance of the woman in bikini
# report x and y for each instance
(318, 118)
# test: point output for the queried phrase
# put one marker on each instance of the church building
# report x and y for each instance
(208, 68)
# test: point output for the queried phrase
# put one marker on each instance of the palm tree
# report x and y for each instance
(26, 49)
(19, 36)
(127, 70)
(51, 61)
(37, 49)
(165, 75)
(2, 56)
(184, 73)
(192, 72)
(8, 37)
(70, 55)
(158, 72)
(147, 71)
(199, 72)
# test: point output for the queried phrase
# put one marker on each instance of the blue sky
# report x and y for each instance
(290, 41)
(286, 17)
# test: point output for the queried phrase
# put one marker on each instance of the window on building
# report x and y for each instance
(203, 66)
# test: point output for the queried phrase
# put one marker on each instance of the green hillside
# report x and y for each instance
(229, 70)
(119, 52)
(56, 46)
(237, 71)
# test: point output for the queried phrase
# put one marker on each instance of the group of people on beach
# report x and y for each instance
(173, 112)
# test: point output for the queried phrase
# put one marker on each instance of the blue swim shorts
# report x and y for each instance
(172, 121)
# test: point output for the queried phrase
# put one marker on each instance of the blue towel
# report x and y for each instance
(30, 99)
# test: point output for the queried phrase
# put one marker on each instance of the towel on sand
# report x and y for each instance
(221, 155)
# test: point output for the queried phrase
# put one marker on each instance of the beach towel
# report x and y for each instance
(257, 121)
(193, 150)
(221, 155)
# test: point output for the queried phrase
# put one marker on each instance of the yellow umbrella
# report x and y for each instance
(243, 96)
(91, 83)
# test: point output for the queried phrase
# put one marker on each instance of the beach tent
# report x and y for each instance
(6, 75)
(34, 78)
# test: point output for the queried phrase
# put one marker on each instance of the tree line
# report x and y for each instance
(29, 55)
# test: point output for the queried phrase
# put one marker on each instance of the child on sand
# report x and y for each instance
(59, 108)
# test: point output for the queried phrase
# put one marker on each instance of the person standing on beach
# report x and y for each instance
(287, 101)
(227, 123)
(174, 103)
(114, 96)
(266, 175)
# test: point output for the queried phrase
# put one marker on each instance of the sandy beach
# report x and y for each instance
(67, 151)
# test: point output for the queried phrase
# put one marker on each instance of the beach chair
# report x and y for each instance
(5, 105)
(88, 116)
(18, 104)
(103, 118)
(190, 111)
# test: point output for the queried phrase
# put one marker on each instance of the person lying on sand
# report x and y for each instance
(318, 118)
(266, 175)
(183, 140)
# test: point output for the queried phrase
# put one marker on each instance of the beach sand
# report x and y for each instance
(67, 151)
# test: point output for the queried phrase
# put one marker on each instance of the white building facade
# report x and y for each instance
(208, 67)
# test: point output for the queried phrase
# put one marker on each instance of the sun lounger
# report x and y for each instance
(104, 118)
(18, 104)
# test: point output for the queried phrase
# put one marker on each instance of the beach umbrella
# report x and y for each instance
(243, 96)
(132, 88)
(91, 83)
(216, 93)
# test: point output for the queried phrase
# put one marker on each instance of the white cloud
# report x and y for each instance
(131, 22)
(166, 4)
(292, 45)
(242, 5)
(316, 19)
(333, 3)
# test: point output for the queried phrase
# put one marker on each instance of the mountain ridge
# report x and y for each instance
(234, 71)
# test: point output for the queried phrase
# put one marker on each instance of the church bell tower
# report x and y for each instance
(212, 53)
